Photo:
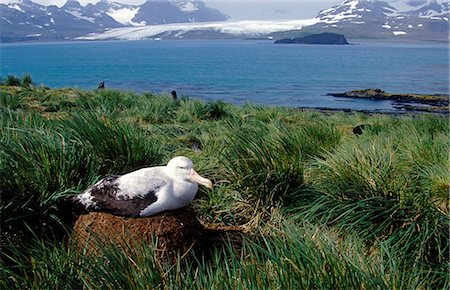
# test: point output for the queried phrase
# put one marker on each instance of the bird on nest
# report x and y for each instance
(146, 191)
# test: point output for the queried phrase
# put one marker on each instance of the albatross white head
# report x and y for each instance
(181, 167)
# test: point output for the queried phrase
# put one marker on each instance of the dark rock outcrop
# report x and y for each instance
(377, 94)
(437, 103)
(321, 38)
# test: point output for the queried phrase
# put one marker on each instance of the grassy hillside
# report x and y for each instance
(331, 209)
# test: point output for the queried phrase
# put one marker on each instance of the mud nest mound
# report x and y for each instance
(172, 233)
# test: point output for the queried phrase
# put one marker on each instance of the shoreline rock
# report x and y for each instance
(437, 103)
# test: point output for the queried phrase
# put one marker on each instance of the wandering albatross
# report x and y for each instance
(145, 192)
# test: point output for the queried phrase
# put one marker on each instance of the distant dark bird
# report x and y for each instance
(174, 95)
(358, 130)
(145, 192)
(101, 85)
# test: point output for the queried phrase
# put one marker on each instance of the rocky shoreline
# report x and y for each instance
(438, 103)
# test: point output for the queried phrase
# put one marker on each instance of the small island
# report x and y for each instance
(321, 38)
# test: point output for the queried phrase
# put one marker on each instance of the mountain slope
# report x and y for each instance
(356, 19)
(437, 9)
(421, 20)
(163, 12)
(28, 21)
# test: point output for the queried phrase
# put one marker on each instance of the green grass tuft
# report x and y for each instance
(326, 208)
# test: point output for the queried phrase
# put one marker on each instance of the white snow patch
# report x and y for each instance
(179, 35)
(326, 11)
(353, 4)
(397, 33)
(34, 34)
(15, 6)
(338, 17)
(387, 26)
(78, 15)
(6, 20)
(432, 17)
(188, 7)
(331, 16)
(124, 15)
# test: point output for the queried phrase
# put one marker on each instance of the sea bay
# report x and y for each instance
(238, 71)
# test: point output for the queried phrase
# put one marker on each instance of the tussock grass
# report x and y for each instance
(380, 189)
(119, 147)
(37, 165)
(42, 162)
(159, 109)
(263, 161)
(328, 209)
(10, 101)
(292, 257)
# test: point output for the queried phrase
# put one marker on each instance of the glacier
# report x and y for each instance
(247, 28)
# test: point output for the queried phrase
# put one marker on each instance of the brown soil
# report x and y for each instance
(175, 233)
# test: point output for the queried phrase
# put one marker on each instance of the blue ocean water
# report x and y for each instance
(237, 71)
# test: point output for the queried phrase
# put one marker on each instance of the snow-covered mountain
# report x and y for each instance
(362, 19)
(25, 20)
(163, 12)
(437, 9)
(413, 19)
(120, 14)
(356, 19)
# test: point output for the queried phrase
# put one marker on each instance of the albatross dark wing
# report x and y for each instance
(104, 195)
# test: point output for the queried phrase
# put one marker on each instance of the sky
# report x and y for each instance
(242, 10)
(265, 10)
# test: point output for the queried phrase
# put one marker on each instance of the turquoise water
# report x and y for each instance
(237, 71)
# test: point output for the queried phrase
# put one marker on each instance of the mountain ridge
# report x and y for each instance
(186, 19)
(427, 20)
(25, 20)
